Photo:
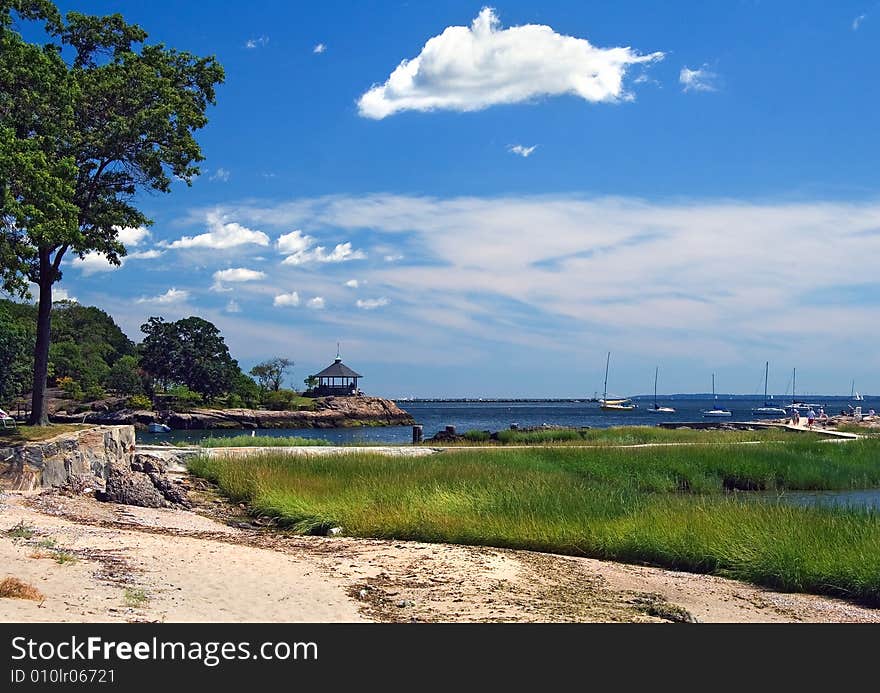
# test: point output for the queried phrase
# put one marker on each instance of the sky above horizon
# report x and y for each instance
(484, 201)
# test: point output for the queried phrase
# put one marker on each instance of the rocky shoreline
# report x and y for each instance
(330, 412)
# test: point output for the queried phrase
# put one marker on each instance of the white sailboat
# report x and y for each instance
(768, 409)
(657, 409)
(613, 404)
(855, 396)
(716, 411)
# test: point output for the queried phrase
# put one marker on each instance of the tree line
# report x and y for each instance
(179, 363)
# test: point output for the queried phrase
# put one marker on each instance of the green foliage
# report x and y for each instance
(183, 395)
(245, 391)
(670, 506)
(16, 354)
(287, 400)
(94, 392)
(189, 352)
(125, 376)
(270, 374)
(71, 388)
(69, 359)
(140, 402)
(477, 436)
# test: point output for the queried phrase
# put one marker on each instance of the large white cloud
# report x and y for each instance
(222, 235)
(471, 68)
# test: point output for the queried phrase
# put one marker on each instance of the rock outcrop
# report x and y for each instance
(81, 459)
(330, 412)
(101, 460)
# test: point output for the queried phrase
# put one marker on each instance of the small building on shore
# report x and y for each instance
(336, 380)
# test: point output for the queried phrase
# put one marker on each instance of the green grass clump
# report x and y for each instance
(672, 506)
(20, 531)
(637, 435)
(259, 442)
(135, 597)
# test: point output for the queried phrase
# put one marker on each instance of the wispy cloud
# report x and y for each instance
(320, 48)
(220, 174)
(471, 68)
(170, 297)
(232, 307)
(521, 150)
(701, 79)
(371, 303)
(222, 235)
(258, 42)
(857, 22)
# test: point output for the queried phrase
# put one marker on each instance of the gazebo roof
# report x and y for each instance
(337, 369)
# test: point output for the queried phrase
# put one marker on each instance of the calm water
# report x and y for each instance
(859, 498)
(495, 416)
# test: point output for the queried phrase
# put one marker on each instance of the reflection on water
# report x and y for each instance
(868, 499)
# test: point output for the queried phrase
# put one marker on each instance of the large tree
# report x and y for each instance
(188, 352)
(87, 119)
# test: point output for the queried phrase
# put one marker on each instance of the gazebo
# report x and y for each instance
(336, 379)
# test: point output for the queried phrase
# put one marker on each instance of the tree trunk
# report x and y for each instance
(39, 409)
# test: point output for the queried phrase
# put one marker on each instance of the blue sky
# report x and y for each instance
(693, 188)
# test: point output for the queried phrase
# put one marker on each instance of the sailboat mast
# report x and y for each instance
(793, 377)
(605, 393)
(766, 373)
(714, 397)
(656, 371)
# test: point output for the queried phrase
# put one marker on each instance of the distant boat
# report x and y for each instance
(855, 396)
(613, 404)
(797, 404)
(768, 409)
(158, 428)
(716, 411)
(657, 409)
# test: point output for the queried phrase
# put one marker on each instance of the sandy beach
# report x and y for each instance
(170, 565)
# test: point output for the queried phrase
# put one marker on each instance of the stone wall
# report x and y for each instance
(81, 460)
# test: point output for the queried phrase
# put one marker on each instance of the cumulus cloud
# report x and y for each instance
(352, 283)
(258, 42)
(220, 174)
(320, 48)
(372, 303)
(235, 275)
(471, 68)
(701, 79)
(170, 297)
(286, 300)
(222, 236)
(60, 294)
(132, 236)
(521, 150)
(316, 303)
(300, 249)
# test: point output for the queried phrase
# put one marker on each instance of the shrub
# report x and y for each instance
(279, 400)
(93, 392)
(183, 395)
(70, 387)
(140, 402)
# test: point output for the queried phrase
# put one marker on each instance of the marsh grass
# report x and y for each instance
(670, 506)
(629, 435)
(259, 442)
